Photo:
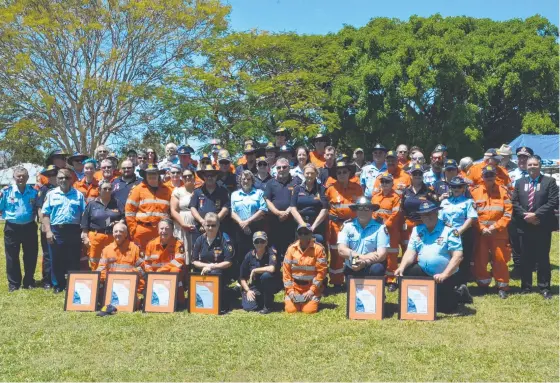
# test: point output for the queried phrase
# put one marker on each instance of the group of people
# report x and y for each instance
(298, 219)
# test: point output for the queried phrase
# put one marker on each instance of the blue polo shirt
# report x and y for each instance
(246, 204)
(363, 240)
(456, 210)
(431, 177)
(433, 247)
(16, 207)
(64, 208)
(368, 176)
(122, 188)
(220, 250)
(280, 193)
(205, 202)
(309, 203)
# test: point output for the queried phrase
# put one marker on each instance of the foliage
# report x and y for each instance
(495, 340)
(81, 72)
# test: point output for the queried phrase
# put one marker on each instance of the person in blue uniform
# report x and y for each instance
(286, 152)
(62, 211)
(248, 209)
(124, 184)
(435, 250)
(213, 254)
(278, 196)
(263, 174)
(442, 187)
(17, 204)
(76, 160)
(50, 173)
(210, 198)
(363, 242)
(257, 275)
(226, 178)
(436, 172)
(309, 206)
(371, 171)
(459, 212)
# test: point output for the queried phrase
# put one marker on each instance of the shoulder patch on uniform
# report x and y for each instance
(386, 230)
(182, 249)
(230, 247)
(455, 232)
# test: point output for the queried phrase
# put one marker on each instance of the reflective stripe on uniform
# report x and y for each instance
(288, 284)
(487, 222)
(175, 263)
(502, 284)
(333, 247)
(152, 214)
(322, 260)
(130, 214)
(303, 268)
(396, 209)
(507, 201)
(480, 201)
(491, 208)
(336, 271)
(290, 261)
(316, 282)
(146, 201)
(392, 249)
(94, 259)
(124, 267)
(316, 298)
(386, 211)
(485, 281)
(129, 201)
(507, 215)
(303, 277)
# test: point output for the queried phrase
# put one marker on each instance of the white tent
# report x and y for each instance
(7, 175)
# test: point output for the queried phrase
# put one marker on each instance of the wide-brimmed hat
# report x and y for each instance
(320, 137)
(457, 181)
(505, 150)
(206, 169)
(151, 169)
(364, 202)
(205, 156)
(343, 163)
(250, 149)
(271, 147)
(50, 171)
(493, 153)
(427, 207)
(286, 149)
(77, 156)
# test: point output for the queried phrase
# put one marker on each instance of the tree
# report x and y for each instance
(80, 72)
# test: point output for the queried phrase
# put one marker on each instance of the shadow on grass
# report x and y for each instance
(327, 306)
(391, 309)
(462, 311)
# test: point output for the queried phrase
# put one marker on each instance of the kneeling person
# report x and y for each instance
(257, 276)
(122, 255)
(304, 268)
(439, 251)
(167, 254)
(363, 242)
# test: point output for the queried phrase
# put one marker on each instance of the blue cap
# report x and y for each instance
(286, 149)
(450, 164)
(185, 150)
(416, 168)
(457, 181)
(427, 207)
(440, 148)
(305, 226)
(488, 169)
(380, 147)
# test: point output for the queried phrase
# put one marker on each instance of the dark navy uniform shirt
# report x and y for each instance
(121, 188)
(251, 262)
(220, 250)
(42, 194)
(205, 202)
(309, 203)
(229, 182)
(100, 217)
(240, 169)
(411, 201)
(261, 184)
(280, 193)
(442, 186)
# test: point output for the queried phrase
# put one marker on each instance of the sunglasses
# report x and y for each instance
(262, 164)
(126, 168)
(224, 163)
(141, 158)
(106, 167)
(342, 172)
(402, 151)
(63, 178)
(102, 151)
(304, 234)
(489, 176)
(386, 182)
(417, 158)
(363, 208)
(107, 189)
(187, 175)
(282, 167)
(259, 242)
(417, 174)
(175, 173)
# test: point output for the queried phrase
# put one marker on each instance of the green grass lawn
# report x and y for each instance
(495, 340)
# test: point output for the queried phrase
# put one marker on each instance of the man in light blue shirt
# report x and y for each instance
(62, 212)
(17, 204)
(363, 242)
(371, 171)
(439, 251)
(436, 171)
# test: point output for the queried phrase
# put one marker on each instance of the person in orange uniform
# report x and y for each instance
(122, 255)
(317, 156)
(340, 195)
(88, 185)
(402, 156)
(107, 171)
(175, 180)
(491, 157)
(304, 272)
(390, 213)
(401, 179)
(57, 158)
(494, 209)
(167, 254)
(147, 204)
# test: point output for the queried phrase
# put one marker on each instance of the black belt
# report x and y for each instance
(102, 231)
(301, 282)
(19, 224)
(66, 226)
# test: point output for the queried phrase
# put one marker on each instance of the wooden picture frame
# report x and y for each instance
(82, 291)
(205, 294)
(422, 293)
(161, 292)
(365, 298)
(120, 291)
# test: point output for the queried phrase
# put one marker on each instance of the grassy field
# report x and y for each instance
(493, 340)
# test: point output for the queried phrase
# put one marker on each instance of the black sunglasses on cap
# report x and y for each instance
(259, 241)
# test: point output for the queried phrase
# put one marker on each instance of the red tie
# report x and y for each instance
(531, 199)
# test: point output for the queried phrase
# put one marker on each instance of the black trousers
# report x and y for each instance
(447, 299)
(264, 285)
(65, 252)
(464, 274)
(535, 248)
(46, 264)
(515, 242)
(17, 237)
(281, 235)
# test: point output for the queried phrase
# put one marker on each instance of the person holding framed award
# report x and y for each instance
(439, 252)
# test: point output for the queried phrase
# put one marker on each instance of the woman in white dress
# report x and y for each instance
(181, 214)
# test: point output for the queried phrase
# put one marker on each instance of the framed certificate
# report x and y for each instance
(161, 292)
(365, 298)
(204, 294)
(120, 291)
(417, 298)
(82, 291)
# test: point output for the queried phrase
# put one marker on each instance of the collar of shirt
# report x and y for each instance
(210, 243)
(288, 180)
(26, 190)
(57, 190)
(372, 223)
(242, 192)
(123, 247)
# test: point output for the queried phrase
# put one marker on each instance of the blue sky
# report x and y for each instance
(321, 17)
